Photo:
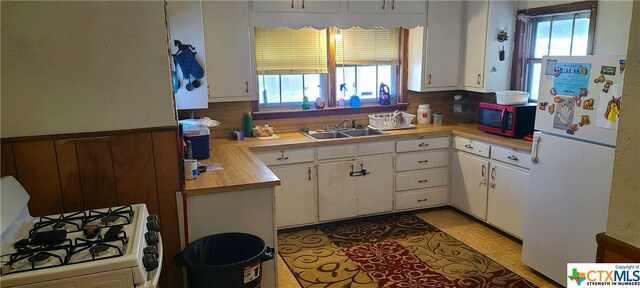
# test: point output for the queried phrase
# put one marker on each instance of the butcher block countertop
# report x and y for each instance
(242, 171)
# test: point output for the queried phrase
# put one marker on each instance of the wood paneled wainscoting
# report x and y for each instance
(612, 250)
(67, 173)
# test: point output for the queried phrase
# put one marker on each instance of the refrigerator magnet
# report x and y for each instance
(607, 84)
(552, 108)
(552, 91)
(578, 101)
(608, 111)
(584, 120)
(572, 130)
(587, 104)
(600, 79)
(608, 70)
(623, 63)
(543, 105)
(583, 92)
(563, 117)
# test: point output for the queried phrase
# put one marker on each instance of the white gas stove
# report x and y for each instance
(111, 247)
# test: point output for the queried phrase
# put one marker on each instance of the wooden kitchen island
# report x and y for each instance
(241, 196)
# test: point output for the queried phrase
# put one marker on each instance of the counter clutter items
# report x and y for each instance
(264, 132)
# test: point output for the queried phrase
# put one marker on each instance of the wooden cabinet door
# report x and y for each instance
(337, 196)
(469, 183)
(443, 44)
(508, 187)
(475, 45)
(228, 50)
(296, 195)
(375, 189)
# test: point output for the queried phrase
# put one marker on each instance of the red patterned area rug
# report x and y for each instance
(398, 250)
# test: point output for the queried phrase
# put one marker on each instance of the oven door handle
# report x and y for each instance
(503, 119)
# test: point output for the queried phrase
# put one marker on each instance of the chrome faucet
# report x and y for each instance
(343, 124)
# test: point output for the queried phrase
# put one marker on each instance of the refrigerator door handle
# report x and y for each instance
(534, 147)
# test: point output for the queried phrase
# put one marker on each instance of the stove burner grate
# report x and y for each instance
(97, 249)
(35, 258)
(118, 216)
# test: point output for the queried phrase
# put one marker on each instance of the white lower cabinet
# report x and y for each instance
(508, 186)
(469, 183)
(353, 188)
(296, 196)
(422, 173)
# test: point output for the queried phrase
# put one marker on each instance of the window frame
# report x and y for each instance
(330, 82)
(523, 57)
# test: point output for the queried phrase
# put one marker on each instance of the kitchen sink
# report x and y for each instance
(347, 133)
(362, 132)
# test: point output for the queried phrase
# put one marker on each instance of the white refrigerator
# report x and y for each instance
(573, 153)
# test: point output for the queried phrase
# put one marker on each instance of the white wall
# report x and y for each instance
(612, 24)
(70, 67)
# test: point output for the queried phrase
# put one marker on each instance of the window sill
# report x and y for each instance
(266, 115)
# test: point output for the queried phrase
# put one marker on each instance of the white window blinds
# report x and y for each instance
(368, 47)
(290, 51)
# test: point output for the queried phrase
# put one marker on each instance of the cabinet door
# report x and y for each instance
(507, 189)
(476, 37)
(318, 6)
(364, 6)
(406, 7)
(443, 43)
(296, 195)
(337, 196)
(274, 6)
(375, 189)
(469, 183)
(228, 50)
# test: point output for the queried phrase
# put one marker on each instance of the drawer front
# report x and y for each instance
(374, 148)
(423, 179)
(336, 151)
(422, 198)
(286, 156)
(512, 156)
(422, 144)
(472, 146)
(424, 160)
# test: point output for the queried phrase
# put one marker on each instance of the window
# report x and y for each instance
(559, 30)
(559, 35)
(293, 63)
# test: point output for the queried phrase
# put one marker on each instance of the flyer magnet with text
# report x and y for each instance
(571, 78)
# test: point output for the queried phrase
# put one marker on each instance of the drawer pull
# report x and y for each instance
(513, 157)
(423, 161)
(423, 181)
(422, 200)
(423, 144)
(468, 146)
(282, 158)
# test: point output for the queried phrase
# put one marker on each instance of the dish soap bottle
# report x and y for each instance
(305, 103)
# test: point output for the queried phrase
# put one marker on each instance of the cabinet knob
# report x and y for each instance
(393, 4)
(292, 4)
(302, 4)
(309, 173)
(383, 4)
(513, 157)
(483, 170)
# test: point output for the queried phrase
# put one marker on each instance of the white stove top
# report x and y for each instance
(81, 245)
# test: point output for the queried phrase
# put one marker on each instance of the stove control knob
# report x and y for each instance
(153, 225)
(153, 217)
(152, 238)
(150, 262)
(152, 250)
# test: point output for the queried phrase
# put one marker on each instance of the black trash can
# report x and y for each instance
(227, 260)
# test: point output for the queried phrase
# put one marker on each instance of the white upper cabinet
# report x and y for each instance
(388, 6)
(228, 47)
(185, 25)
(483, 69)
(306, 6)
(434, 51)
